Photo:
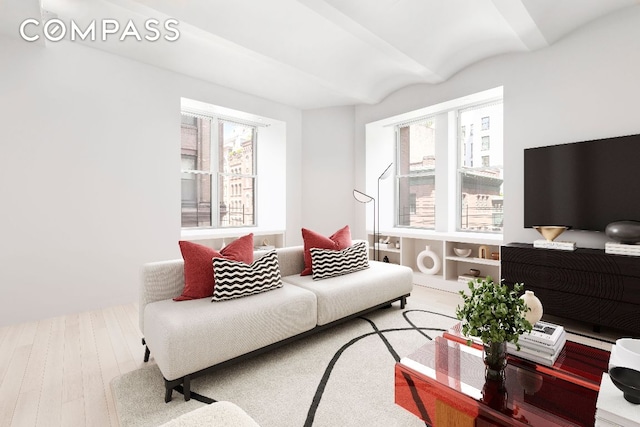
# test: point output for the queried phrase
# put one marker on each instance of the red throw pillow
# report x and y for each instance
(339, 240)
(198, 265)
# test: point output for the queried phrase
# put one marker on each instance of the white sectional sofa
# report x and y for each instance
(190, 338)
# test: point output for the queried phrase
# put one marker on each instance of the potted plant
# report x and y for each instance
(495, 313)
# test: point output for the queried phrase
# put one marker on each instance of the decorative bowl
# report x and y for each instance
(550, 232)
(628, 350)
(628, 381)
(627, 232)
(474, 272)
(462, 252)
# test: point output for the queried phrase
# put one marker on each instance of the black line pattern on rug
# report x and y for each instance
(414, 394)
(315, 403)
(325, 377)
(405, 314)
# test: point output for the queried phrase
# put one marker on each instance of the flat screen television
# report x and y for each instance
(583, 185)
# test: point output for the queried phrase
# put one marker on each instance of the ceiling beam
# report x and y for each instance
(518, 18)
(341, 20)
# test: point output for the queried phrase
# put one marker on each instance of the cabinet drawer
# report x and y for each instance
(591, 260)
(610, 287)
(570, 306)
(619, 315)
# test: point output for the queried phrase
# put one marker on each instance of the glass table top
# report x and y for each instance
(455, 371)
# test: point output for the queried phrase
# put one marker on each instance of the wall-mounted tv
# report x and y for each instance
(583, 185)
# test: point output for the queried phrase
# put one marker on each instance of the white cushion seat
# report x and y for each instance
(351, 293)
(188, 336)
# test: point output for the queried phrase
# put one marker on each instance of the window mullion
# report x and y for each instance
(215, 180)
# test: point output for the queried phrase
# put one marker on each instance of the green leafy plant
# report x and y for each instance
(493, 312)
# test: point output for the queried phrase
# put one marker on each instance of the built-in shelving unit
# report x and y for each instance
(219, 238)
(412, 242)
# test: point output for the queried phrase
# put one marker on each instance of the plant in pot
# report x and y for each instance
(495, 313)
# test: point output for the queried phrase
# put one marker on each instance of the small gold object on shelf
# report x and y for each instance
(550, 232)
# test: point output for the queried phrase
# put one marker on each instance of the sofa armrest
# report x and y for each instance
(160, 280)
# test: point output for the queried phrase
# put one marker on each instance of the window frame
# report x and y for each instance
(459, 168)
(216, 174)
(412, 196)
(381, 140)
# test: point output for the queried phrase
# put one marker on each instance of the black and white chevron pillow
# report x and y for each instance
(327, 263)
(235, 279)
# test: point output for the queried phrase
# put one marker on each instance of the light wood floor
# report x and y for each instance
(56, 372)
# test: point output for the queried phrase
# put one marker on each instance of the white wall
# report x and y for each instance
(584, 87)
(89, 174)
(328, 160)
(84, 204)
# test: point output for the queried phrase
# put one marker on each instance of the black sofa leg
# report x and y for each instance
(186, 386)
(185, 382)
(403, 302)
(168, 391)
(147, 352)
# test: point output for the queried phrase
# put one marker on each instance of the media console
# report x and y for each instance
(586, 285)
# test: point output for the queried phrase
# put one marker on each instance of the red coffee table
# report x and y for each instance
(443, 384)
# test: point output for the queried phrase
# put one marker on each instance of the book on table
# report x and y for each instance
(543, 348)
(542, 345)
(543, 333)
(535, 355)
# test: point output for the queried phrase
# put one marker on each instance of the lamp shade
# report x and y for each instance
(361, 197)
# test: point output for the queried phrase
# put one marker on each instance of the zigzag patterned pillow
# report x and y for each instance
(327, 263)
(235, 279)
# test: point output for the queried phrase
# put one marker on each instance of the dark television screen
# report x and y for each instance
(584, 185)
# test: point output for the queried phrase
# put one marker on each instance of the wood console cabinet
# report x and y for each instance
(587, 285)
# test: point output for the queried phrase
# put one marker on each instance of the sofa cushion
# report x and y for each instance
(185, 337)
(198, 269)
(330, 263)
(341, 239)
(342, 296)
(235, 279)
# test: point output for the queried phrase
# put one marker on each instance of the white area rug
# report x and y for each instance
(340, 377)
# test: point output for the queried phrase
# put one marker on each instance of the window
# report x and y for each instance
(450, 144)
(416, 174)
(218, 166)
(485, 143)
(480, 187)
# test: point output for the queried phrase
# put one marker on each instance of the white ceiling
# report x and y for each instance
(318, 53)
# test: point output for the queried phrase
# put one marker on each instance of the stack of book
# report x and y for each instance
(542, 345)
(621, 249)
(564, 246)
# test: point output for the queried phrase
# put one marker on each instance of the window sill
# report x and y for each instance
(454, 236)
(219, 233)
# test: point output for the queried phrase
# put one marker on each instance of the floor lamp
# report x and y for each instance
(365, 198)
(383, 175)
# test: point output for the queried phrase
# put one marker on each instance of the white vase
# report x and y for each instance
(532, 301)
(435, 260)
